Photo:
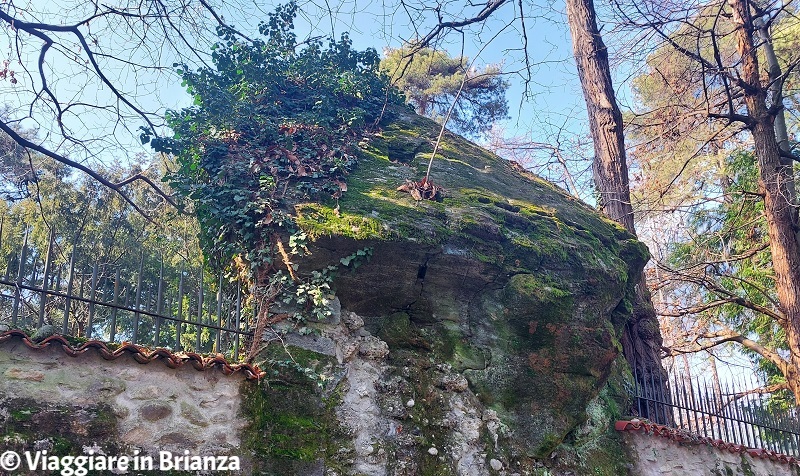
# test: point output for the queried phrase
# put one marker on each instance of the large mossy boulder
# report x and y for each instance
(504, 300)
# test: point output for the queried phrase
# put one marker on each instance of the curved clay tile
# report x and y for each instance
(142, 355)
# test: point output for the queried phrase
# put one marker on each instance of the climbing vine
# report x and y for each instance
(275, 122)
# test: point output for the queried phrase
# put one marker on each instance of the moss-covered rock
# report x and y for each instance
(292, 426)
(507, 285)
(60, 430)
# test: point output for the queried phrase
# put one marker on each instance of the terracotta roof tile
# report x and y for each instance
(142, 355)
(686, 437)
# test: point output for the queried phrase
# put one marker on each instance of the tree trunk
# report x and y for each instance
(642, 338)
(775, 179)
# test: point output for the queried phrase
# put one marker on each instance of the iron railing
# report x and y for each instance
(180, 310)
(734, 411)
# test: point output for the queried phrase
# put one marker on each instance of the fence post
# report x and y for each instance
(138, 301)
(92, 296)
(219, 313)
(179, 322)
(48, 262)
(159, 305)
(199, 342)
(70, 279)
(238, 319)
(20, 271)
(113, 330)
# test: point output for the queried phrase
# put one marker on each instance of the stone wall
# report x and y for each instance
(69, 405)
(652, 455)
(64, 404)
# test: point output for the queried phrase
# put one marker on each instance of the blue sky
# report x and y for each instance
(551, 105)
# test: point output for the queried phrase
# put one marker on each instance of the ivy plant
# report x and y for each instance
(274, 122)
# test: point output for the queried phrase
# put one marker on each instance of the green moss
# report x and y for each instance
(291, 423)
(21, 414)
(61, 446)
(30, 421)
(549, 443)
(318, 220)
(747, 468)
(537, 222)
(398, 332)
(535, 304)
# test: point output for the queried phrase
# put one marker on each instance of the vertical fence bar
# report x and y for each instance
(772, 436)
(783, 437)
(682, 398)
(20, 271)
(674, 390)
(736, 429)
(114, 310)
(775, 435)
(148, 305)
(48, 262)
(70, 284)
(159, 303)
(34, 259)
(700, 406)
(219, 314)
(651, 401)
(747, 415)
(688, 398)
(739, 416)
(687, 402)
(92, 297)
(138, 300)
(727, 430)
(199, 314)
(168, 313)
(760, 417)
(713, 418)
(792, 438)
(238, 320)
(663, 392)
(637, 388)
(179, 322)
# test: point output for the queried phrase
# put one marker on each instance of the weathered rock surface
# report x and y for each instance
(491, 319)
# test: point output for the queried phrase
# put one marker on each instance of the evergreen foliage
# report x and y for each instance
(727, 257)
(273, 123)
(431, 80)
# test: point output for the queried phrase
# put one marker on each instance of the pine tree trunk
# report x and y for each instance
(776, 181)
(642, 339)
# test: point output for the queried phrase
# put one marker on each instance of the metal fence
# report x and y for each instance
(178, 309)
(734, 411)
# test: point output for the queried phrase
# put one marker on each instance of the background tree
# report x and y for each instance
(723, 42)
(431, 81)
(641, 341)
(721, 280)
